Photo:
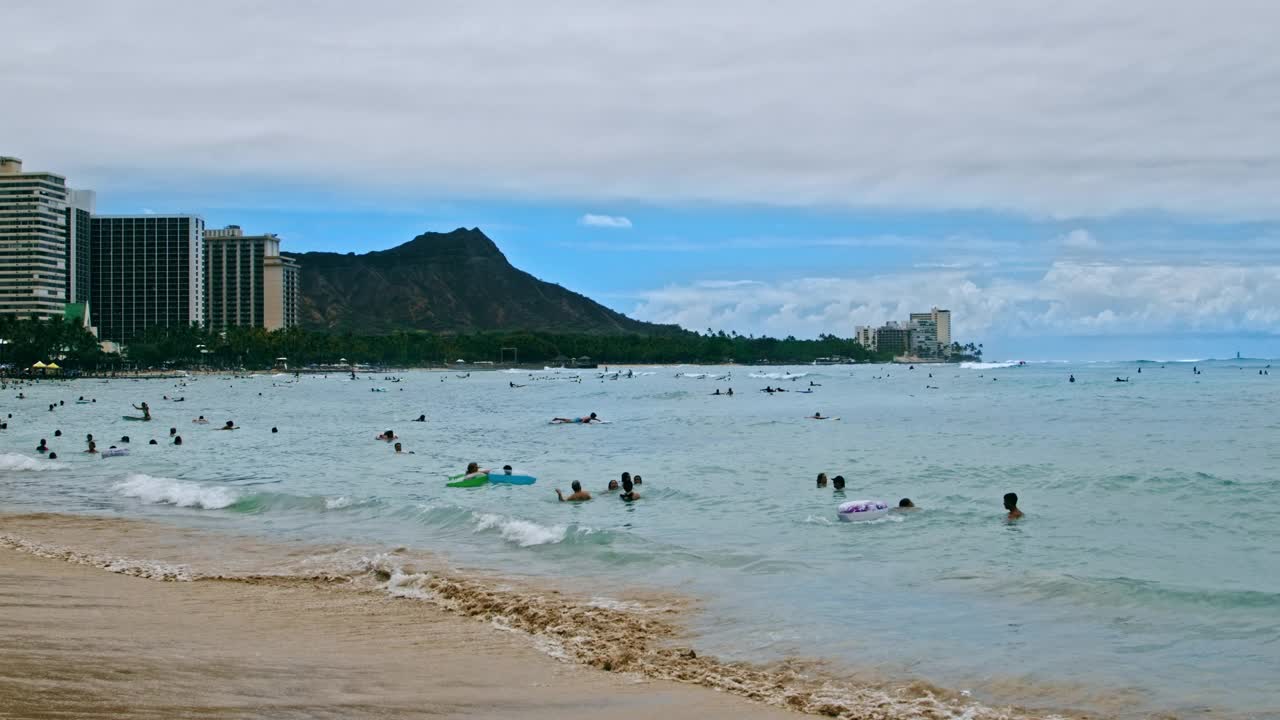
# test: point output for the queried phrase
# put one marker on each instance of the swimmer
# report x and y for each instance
(57, 433)
(1071, 378)
(146, 410)
(177, 439)
(818, 416)
(1011, 504)
(388, 436)
(613, 485)
(399, 448)
(730, 393)
(153, 442)
(905, 505)
(822, 480)
(43, 447)
(53, 456)
(93, 447)
(231, 425)
(275, 429)
(581, 420)
(421, 418)
(173, 431)
(506, 469)
(636, 480)
(124, 438)
(578, 494)
(837, 483)
(628, 490)
(717, 392)
(200, 421)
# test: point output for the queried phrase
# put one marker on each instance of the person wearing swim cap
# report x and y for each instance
(1011, 504)
(578, 495)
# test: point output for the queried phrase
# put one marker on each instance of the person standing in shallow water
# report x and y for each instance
(1011, 504)
(822, 480)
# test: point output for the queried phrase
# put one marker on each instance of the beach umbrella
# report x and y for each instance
(52, 366)
(39, 364)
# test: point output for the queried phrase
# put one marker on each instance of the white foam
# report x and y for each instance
(337, 503)
(14, 462)
(986, 365)
(521, 532)
(167, 491)
(125, 566)
(779, 375)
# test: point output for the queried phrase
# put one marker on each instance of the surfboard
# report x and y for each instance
(140, 419)
(467, 481)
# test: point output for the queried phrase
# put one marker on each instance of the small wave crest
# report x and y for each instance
(182, 493)
(13, 462)
(986, 365)
(522, 532)
(779, 375)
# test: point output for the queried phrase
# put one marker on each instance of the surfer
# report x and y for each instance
(1011, 504)
(421, 418)
(580, 420)
(146, 410)
(200, 421)
(230, 426)
(819, 416)
(578, 494)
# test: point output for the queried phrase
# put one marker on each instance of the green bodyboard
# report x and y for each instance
(466, 482)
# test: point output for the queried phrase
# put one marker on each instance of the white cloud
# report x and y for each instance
(1079, 239)
(1067, 299)
(605, 221)
(1053, 108)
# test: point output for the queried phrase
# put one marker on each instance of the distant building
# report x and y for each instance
(941, 320)
(80, 208)
(924, 337)
(43, 238)
(248, 283)
(865, 335)
(147, 272)
(894, 338)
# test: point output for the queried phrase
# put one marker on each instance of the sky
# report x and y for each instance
(1081, 180)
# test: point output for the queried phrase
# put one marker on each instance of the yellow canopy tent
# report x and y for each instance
(39, 365)
(51, 366)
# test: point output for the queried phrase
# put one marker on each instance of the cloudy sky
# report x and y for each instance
(1083, 179)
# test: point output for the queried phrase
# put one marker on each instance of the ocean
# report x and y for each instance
(1144, 578)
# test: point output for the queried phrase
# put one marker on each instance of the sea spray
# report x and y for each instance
(168, 491)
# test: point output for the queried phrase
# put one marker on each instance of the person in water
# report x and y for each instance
(399, 448)
(388, 436)
(231, 425)
(628, 490)
(1011, 504)
(613, 485)
(578, 494)
(57, 433)
(43, 447)
(817, 416)
(506, 470)
(730, 392)
(421, 418)
(200, 421)
(53, 456)
(905, 505)
(583, 420)
(636, 480)
(146, 410)
(837, 482)
(93, 447)
(173, 431)
(177, 439)
(822, 480)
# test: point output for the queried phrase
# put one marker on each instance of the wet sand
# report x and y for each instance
(84, 643)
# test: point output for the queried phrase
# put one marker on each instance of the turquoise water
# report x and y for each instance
(1145, 576)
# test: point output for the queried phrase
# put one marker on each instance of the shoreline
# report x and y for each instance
(52, 574)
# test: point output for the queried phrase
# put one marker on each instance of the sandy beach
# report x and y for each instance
(109, 617)
(84, 643)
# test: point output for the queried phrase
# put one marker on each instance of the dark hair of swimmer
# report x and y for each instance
(822, 479)
(473, 467)
(153, 442)
(177, 439)
(273, 429)
(53, 456)
(173, 431)
(626, 477)
(626, 484)
(837, 482)
(906, 502)
(124, 438)
(506, 469)
(593, 416)
(577, 486)
(1010, 501)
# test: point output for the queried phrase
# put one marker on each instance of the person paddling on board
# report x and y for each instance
(578, 495)
(146, 410)
(581, 420)
(818, 416)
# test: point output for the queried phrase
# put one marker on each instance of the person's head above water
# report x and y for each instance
(613, 484)
(177, 439)
(473, 467)
(57, 433)
(153, 442)
(906, 503)
(53, 456)
(626, 483)
(399, 447)
(173, 431)
(593, 416)
(1011, 501)
(230, 423)
(577, 486)
(635, 480)
(506, 469)
(274, 429)
(822, 479)
(124, 438)
(626, 477)
(837, 482)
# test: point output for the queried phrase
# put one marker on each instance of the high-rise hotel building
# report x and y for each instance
(147, 272)
(44, 242)
(248, 282)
